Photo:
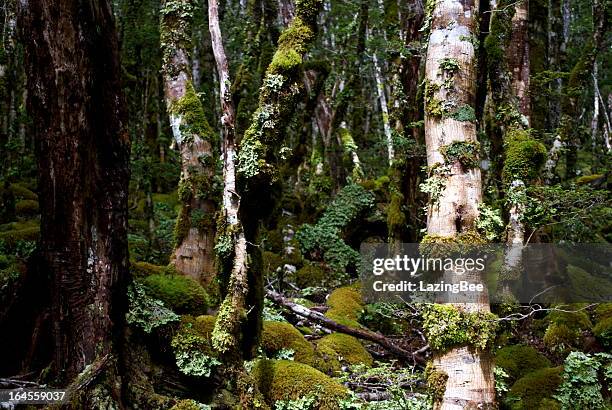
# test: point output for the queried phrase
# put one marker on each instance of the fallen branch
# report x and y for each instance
(332, 325)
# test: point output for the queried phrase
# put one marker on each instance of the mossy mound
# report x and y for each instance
(603, 332)
(603, 311)
(345, 306)
(281, 335)
(310, 275)
(529, 391)
(566, 329)
(338, 348)
(180, 293)
(27, 208)
(525, 156)
(271, 262)
(186, 405)
(11, 237)
(519, 360)
(289, 380)
(21, 192)
(144, 269)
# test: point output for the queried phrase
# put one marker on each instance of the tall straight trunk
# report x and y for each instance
(195, 228)
(451, 82)
(518, 57)
(74, 92)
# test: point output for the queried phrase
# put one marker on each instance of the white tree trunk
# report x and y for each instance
(470, 381)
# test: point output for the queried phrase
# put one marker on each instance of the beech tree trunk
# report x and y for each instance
(74, 92)
(195, 228)
(451, 82)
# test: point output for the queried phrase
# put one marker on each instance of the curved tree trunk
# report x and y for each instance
(195, 228)
(450, 92)
(83, 150)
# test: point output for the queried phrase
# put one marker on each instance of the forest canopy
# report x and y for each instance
(187, 188)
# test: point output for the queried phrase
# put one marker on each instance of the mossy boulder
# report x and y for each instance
(519, 360)
(180, 293)
(345, 306)
(144, 269)
(289, 380)
(310, 275)
(11, 237)
(281, 335)
(565, 329)
(22, 192)
(525, 156)
(603, 332)
(338, 348)
(27, 208)
(528, 392)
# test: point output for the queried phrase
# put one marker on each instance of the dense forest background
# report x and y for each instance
(185, 186)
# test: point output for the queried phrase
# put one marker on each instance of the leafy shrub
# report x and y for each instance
(581, 387)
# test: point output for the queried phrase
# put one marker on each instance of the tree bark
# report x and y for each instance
(74, 92)
(451, 82)
(195, 228)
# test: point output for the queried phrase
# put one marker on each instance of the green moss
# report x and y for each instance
(180, 293)
(446, 326)
(529, 391)
(11, 238)
(193, 119)
(186, 405)
(338, 348)
(603, 311)
(603, 332)
(27, 208)
(560, 338)
(518, 360)
(587, 179)
(21, 192)
(143, 269)
(192, 346)
(345, 306)
(464, 152)
(310, 275)
(434, 245)
(436, 382)
(525, 156)
(288, 380)
(464, 113)
(433, 106)
(396, 217)
(281, 335)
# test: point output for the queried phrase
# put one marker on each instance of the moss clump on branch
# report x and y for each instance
(288, 380)
(525, 156)
(179, 293)
(446, 326)
(281, 335)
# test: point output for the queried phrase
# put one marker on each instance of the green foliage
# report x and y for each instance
(525, 156)
(518, 360)
(464, 152)
(449, 65)
(192, 349)
(310, 275)
(529, 391)
(446, 326)
(489, 222)
(581, 387)
(325, 236)
(566, 330)
(304, 403)
(180, 293)
(146, 312)
(27, 208)
(603, 332)
(190, 405)
(288, 380)
(464, 113)
(277, 336)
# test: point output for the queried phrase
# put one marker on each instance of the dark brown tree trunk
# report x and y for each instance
(83, 152)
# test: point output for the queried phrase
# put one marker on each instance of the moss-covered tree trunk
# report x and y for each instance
(193, 137)
(83, 152)
(450, 135)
